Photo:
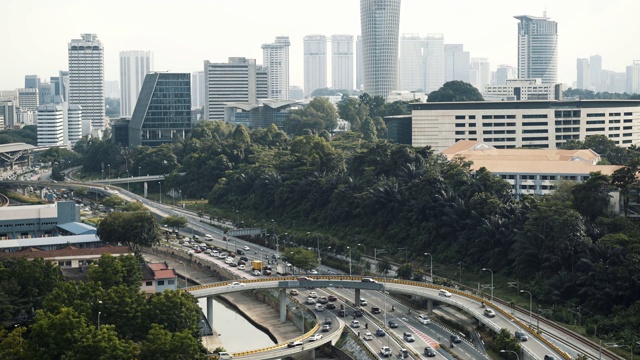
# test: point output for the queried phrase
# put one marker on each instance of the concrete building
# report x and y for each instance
(456, 63)
(134, 66)
(342, 62)
(521, 89)
(50, 125)
(412, 66)
(60, 85)
(379, 22)
(530, 171)
(276, 58)
(433, 62)
(504, 73)
(163, 110)
(197, 90)
(315, 63)
(595, 72)
(582, 67)
(359, 64)
(34, 221)
(258, 116)
(28, 99)
(45, 93)
(86, 80)
(633, 78)
(409, 96)
(530, 124)
(480, 73)
(73, 128)
(537, 48)
(31, 82)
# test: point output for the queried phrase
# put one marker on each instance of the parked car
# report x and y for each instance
(489, 313)
(408, 337)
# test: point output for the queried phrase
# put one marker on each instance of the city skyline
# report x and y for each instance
(489, 31)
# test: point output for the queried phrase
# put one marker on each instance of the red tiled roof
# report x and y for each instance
(158, 266)
(164, 274)
(67, 251)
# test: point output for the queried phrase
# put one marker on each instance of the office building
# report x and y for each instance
(433, 62)
(456, 63)
(134, 66)
(112, 89)
(31, 82)
(262, 82)
(60, 85)
(50, 125)
(359, 63)
(412, 67)
(45, 93)
(595, 72)
(86, 80)
(614, 82)
(276, 58)
(504, 73)
(479, 73)
(530, 124)
(537, 49)
(73, 124)
(342, 62)
(197, 89)
(9, 112)
(379, 22)
(28, 99)
(633, 78)
(315, 63)
(582, 67)
(163, 111)
(521, 89)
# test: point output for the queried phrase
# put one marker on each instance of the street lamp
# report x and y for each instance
(485, 269)
(349, 260)
(511, 351)
(159, 183)
(109, 178)
(364, 248)
(431, 261)
(530, 304)
(630, 347)
(185, 273)
(99, 312)
(375, 256)
(139, 167)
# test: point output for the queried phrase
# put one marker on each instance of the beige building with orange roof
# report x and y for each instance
(530, 171)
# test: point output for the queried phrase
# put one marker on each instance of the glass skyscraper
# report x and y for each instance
(537, 48)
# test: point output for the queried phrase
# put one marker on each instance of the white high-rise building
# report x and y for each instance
(342, 62)
(28, 99)
(582, 66)
(74, 124)
(595, 72)
(134, 66)
(276, 59)
(412, 67)
(537, 48)
(633, 78)
(197, 89)
(480, 73)
(50, 125)
(504, 73)
(359, 64)
(380, 23)
(456, 63)
(86, 80)
(315, 63)
(433, 62)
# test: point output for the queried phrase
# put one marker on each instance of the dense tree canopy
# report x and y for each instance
(455, 91)
(136, 229)
(318, 115)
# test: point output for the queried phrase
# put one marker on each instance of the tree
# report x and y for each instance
(405, 271)
(455, 91)
(301, 258)
(175, 221)
(369, 130)
(136, 229)
(591, 198)
(81, 191)
(625, 179)
(12, 344)
(319, 115)
(113, 271)
(113, 201)
(175, 311)
(134, 206)
(171, 346)
(383, 266)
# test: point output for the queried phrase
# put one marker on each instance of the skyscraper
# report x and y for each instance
(50, 125)
(315, 63)
(359, 63)
(633, 78)
(134, 66)
(342, 62)
(28, 99)
(456, 63)
(582, 66)
(411, 63)
(197, 89)
(276, 58)
(537, 48)
(433, 62)
(31, 82)
(86, 80)
(504, 73)
(379, 22)
(479, 73)
(595, 72)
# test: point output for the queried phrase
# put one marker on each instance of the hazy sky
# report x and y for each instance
(184, 33)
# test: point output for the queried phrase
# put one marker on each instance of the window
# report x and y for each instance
(628, 114)
(472, 132)
(498, 124)
(511, 116)
(484, 117)
(472, 124)
(487, 132)
(499, 117)
(614, 121)
(148, 283)
(487, 124)
(595, 122)
(539, 123)
(460, 132)
(460, 125)
(626, 141)
(595, 115)
(614, 135)
(459, 117)
(472, 117)
(595, 129)
(535, 138)
(534, 116)
(627, 127)
(535, 131)
(614, 114)
(627, 121)
(160, 282)
(614, 128)
(626, 134)
(171, 282)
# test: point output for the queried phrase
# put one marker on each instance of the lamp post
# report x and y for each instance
(185, 273)
(375, 256)
(530, 304)
(364, 251)
(159, 183)
(99, 313)
(237, 218)
(109, 176)
(491, 271)
(139, 167)
(349, 260)
(511, 351)
(431, 263)
(205, 333)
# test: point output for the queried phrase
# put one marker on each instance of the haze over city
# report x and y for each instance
(182, 34)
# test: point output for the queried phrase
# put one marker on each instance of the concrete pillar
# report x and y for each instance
(210, 311)
(430, 306)
(357, 300)
(312, 354)
(283, 306)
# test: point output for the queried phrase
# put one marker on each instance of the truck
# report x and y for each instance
(282, 270)
(257, 265)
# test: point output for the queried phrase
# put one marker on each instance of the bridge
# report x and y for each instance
(462, 300)
(133, 179)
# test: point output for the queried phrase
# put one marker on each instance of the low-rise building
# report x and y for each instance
(32, 221)
(258, 116)
(158, 277)
(68, 256)
(522, 89)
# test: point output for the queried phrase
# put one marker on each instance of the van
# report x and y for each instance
(319, 307)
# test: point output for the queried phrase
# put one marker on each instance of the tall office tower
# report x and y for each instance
(595, 72)
(342, 62)
(504, 73)
(31, 82)
(55, 86)
(633, 78)
(28, 99)
(456, 63)
(582, 66)
(433, 62)
(86, 80)
(359, 63)
(134, 66)
(537, 48)
(479, 73)
(276, 58)
(412, 67)
(45, 93)
(163, 110)
(315, 63)
(379, 22)
(73, 128)
(50, 125)
(63, 86)
(262, 82)
(197, 89)
(234, 81)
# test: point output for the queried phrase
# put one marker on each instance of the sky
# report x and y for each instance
(184, 33)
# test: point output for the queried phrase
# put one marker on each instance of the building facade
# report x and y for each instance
(504, 73)
(134, 66)
(73, 124)
(163, 110)
(342, 62)
(537, 48)
(380, 22)
(258, 116)
(197, 90)
(359, 63)
(525, 124)
(315, 63)
(35, 221)
(521, 89)
(633, 78)
(50, 125)
(582, 68)
(595, 72)
(456, 63)
(276, 58)
(28, 99)
(86, 80)
(31, 82)
(479, 73)
(411, 63)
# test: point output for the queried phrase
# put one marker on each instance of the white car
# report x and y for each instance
(207, 237)
(489, 313)
(355, 323)
(444, 293)
(241, 267)
(236, 284)
(363, 302)
(424, 319)
(385, 351)
(368, 336)
(313, 272)
(315, 337)
(256, 272)
(246, 248)
(313, 294)
(310, 301)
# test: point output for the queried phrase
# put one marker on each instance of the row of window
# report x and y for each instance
(160, 282)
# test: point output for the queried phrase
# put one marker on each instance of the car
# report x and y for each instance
(489, 313)
(342, 313)
(424, 319)
(256, 272)
(355, 323)
(455, 339)
(313, 272)
(330, 306)
(368, 336)
(242, 262)
(229, 260)
(196, 237)
(241, 267)
(313, 294)
(295, 343)
(223, 255)
(223, 355)
(332, 298)
(323, 300)
(375, 310)
(392, 324)
(326, 327)
(319, 307)
(232, 264)
(404, 353)
(521, 335)
(232, 255)
(293, 292)
(236, 284)
(380, 332)
(444, 293)
(244, 258)
(246, 248)
(408, 337)
(429, 351)
(358, 313)
(368, 280)
(206, 237)
(240, 252)
(363, 302)
(385, 351)
(549, 357)
(315, 337)
(310, 301)
(328, 321)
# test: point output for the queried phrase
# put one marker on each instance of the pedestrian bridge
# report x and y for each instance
(536, 349)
